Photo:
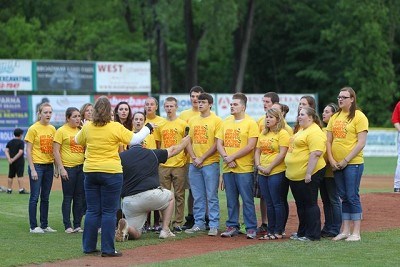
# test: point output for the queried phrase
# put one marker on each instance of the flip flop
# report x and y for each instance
(270, 237)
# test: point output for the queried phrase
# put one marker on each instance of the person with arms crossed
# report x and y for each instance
(236, 142)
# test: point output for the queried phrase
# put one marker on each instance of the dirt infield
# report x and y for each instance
(376, 206)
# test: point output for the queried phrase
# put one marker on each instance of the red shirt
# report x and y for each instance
(396, 114)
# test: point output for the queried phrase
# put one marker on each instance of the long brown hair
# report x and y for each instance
(102, 111)
(311, 103)
(128, 124)
(314, 115)
(83, 109)
(353, 107)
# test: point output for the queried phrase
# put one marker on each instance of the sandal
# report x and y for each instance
(340, 236)
(353, 238)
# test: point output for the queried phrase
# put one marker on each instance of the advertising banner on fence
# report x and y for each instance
(64, 75)
(14, 111)
(59, 104)
(6, 134)
(183, 103)
(132, 77)
(381, 143)
(16, 75)
(136, 102)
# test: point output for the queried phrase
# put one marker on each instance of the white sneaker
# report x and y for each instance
(48, 229)
(69, 230)
(37, 230)
(78, 230)
(195, 229)
(213, 231)
(166, 234)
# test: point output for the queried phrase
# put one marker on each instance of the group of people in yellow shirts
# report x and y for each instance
(266, 156)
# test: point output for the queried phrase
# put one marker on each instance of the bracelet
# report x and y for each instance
(346, 160)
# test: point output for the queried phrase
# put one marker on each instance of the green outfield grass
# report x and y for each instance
(18, 247)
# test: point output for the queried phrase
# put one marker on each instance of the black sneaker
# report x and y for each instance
(23, 191)
(177, 229)
(115, 254)
(189, 222)
(207, 220)
(9, 191)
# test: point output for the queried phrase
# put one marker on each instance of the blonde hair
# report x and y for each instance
(274, 112)
(40, 109)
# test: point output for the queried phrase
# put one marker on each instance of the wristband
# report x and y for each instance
(148, 125)
(345, 160)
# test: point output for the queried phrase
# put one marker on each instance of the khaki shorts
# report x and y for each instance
(137, 206)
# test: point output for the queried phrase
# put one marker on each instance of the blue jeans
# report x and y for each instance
(72, 191)
(271, 191)
(102, 192)
(348, 186)
(240, 184)
(332, 206)
(41, 186)
(204, 183)
(306, 197)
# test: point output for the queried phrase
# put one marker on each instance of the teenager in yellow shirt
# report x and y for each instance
(236, 142)
(173, 172)
(69, 158)
(305, 167)
(269, 154)
(329, 195)
(39, 152)
(103, 174)
(347, 134)
(204, 166)
(187, 115)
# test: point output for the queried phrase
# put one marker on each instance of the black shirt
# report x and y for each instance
(140, 169)
(14, 145)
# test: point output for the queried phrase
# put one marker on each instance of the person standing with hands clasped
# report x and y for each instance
(69, 158)
(347, 134)
(39, 152)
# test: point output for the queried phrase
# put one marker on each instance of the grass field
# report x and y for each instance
(18, 247)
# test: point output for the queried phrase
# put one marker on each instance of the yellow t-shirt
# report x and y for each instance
(345, 133)
(41, 138)
(261, 125)
(170, 134)
(202, 132)
(102, 146)
(269, 147)
(149, 142)
(235, 135)
(329, 171)
(301, 145)
(158, 121)
(188, 114)
(72, 154)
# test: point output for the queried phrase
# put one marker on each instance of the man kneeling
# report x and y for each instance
(141, 191)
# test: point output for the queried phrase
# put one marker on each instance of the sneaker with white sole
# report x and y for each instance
(78, 230)
(122, 231)
(48, 229)
(166, 234)
(36, 230)
(251, 234)
(213, 231)
(195, 229)
(69, 230)
(230, 232)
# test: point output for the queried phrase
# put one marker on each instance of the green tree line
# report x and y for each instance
(250, 46)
